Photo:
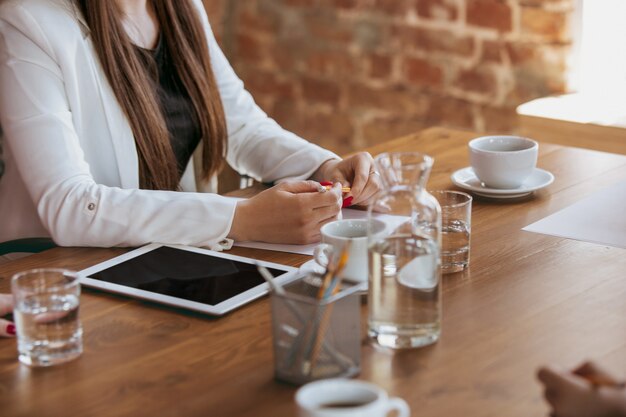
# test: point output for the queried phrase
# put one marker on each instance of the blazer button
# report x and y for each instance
(91, 206)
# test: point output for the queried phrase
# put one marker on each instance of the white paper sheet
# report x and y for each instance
(599, 218)
(308, 249)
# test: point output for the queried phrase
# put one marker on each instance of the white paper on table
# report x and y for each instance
(391, 221)
(599, 218)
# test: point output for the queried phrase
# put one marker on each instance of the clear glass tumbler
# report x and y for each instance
(404, 298)
(46, 316)
(456, 219)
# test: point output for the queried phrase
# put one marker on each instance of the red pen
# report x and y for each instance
(347, 202)
(329, 185)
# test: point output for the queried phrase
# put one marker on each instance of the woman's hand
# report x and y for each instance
(572, 394)
(356, 171)
(291, 212)
(7, 329)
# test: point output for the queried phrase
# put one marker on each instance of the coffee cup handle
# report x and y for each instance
(322, 254)
(399, 405)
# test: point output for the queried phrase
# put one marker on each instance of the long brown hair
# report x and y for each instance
(130, 80)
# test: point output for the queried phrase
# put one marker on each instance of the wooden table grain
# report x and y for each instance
(527, 299)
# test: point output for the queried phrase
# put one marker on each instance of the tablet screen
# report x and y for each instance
(188, 275)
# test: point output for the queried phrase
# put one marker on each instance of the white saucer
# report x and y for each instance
(466, 179)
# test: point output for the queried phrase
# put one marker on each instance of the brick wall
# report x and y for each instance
(350, 73)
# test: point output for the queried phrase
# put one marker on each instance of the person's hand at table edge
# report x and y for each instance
(356, 171)
(587, 391)
(290, 212)
(7, 329)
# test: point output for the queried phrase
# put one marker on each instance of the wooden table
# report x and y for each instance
(527, 299)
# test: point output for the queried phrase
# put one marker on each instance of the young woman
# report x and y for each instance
(115, 113)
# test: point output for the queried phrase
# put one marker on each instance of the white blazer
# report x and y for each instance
(71, 169)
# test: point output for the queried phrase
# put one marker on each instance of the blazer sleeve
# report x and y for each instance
(257, 145)
(39, 133)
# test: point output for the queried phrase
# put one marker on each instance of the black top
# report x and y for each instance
(176, 105)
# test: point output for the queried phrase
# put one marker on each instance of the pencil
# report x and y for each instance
(598, 379)
(343, 189)
(322, 327)
(327, 185)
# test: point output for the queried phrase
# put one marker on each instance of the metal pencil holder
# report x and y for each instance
(316, 339)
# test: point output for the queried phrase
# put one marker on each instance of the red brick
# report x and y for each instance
(494, 14)
(438, 9)
(333, 131)
(533, 82)
(521, 53)
(285, 59)
(447, 111)
(287, 113)
(499, 120)
(390, 127)
(539, 70)
(379, 66)
(330, 63)
(250, 20)
(345, 4)
(268, 83)
(300, 3)
(550, 26)
(433, 40)
(477, 80)
(265, 102)
(492, 51)
(323, 68)
(563, 3)
(321, 91)
(392, 99)
(391, 7)
(422, 72)
(324, 29)
(215, 11)
(248, 47)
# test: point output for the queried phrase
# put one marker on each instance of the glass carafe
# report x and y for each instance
(404, 298)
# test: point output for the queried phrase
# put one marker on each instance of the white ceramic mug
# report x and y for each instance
(503, 162)
(335, 235)
(347, 398)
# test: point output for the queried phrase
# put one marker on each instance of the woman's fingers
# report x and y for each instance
(595, 374)
(371, 190)
(7, 329)
(6, 304)
(311, 194)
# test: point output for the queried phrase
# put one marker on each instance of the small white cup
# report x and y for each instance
(347, 398)
(337, 234)
(503, 162)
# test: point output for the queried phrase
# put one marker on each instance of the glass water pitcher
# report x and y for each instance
(404, 298)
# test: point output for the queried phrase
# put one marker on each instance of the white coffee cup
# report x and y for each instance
(335, 235)
(503, 162)
(347, 398)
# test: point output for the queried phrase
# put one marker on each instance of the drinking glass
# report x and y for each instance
(404, 298)
(456, 226)
(46, 316)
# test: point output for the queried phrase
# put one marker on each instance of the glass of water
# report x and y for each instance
(456, 216)
(46, 316)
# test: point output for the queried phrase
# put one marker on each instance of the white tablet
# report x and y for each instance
(183, 276)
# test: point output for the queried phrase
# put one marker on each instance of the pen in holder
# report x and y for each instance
(316, 337)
